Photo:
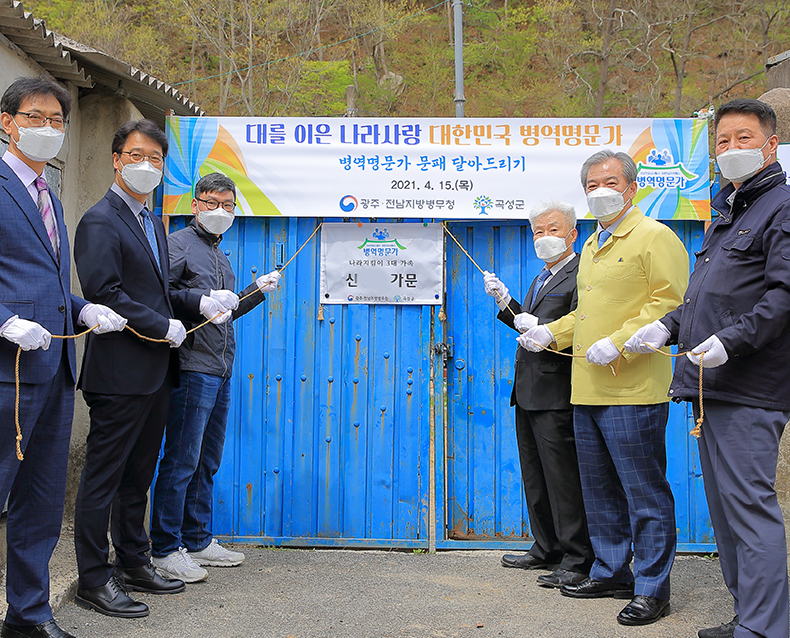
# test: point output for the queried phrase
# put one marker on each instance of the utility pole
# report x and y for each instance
(458, 18)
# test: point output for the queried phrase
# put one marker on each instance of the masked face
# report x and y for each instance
(215, 221)
(39, 143)
(605, 203)
(142, 177)
(739, 164)
(550, 248)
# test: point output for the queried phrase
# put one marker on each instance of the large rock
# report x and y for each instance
(779, 99)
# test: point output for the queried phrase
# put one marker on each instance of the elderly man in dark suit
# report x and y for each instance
(544, 416)
(35, 303)
(120, 250)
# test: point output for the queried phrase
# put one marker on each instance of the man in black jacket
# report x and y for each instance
(120, 250)
(544, 416)
(737, 312)
(180, 536)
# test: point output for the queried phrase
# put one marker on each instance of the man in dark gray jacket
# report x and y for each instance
(195, 435)
(737, 312)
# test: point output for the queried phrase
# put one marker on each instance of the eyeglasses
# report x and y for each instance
(36, 120)
(156, 160)
(213, 204)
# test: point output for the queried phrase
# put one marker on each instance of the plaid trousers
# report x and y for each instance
(629, 503)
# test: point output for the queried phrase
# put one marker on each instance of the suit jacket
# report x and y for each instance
(117, 268)
(33, 284)
(543, 380)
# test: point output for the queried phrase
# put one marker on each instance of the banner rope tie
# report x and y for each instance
(19, 454)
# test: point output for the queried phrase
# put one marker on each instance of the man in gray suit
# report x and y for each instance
(544, 416)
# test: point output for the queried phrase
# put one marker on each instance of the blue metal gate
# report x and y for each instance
(337, 435)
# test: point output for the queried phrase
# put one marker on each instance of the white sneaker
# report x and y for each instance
(180, 565)
(216, 555)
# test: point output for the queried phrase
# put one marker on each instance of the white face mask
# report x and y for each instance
(606, 203)
(549, 248)
(39, 143)
(141, 178)
(215, 221)
(739, 164)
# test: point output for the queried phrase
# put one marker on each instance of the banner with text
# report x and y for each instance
(473, 168)
(381, 264)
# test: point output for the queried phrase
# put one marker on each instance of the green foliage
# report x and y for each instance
(523, 58)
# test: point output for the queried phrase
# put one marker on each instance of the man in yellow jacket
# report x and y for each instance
(632, 271)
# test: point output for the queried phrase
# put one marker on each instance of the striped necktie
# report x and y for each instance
(48, 215)
(151, 235)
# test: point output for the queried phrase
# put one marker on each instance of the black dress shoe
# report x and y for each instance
(45, 630)
(561, 577)
(111, 600)
(527, 561)
(643, 610)
(590, 588)
(726, 630)
(145, 578)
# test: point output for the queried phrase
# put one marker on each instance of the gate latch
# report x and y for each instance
(444, 350)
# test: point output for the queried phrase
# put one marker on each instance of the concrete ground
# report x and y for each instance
(294, 593)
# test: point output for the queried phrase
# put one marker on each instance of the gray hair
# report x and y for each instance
(629, 167)
(549, 206)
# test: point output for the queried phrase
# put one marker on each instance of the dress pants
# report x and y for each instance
(194, 440)
(36, 488)
(123, 448)
(738, 452)
(550, 473)
(628, 500)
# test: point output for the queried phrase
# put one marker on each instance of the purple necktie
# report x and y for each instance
(48, 215)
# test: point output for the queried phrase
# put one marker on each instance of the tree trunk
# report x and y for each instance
(605, 54)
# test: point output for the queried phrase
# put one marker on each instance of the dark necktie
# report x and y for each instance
(151, 235)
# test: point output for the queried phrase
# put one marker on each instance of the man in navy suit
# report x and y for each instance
(544, 415)
(120, 250)
(35, 303)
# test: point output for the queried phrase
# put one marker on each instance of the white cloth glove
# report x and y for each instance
(107, 319)
(210, 308)
(227, 298)
(496, 289)
(269, 281)
(715, 354)
(654, 334)
(176, 333)
(524, 321)
(602, 352)
(28, 335)
(536, 339)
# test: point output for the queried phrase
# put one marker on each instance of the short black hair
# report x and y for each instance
(763, 111)
(145, 127)
(215, 183)
(22, 88)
